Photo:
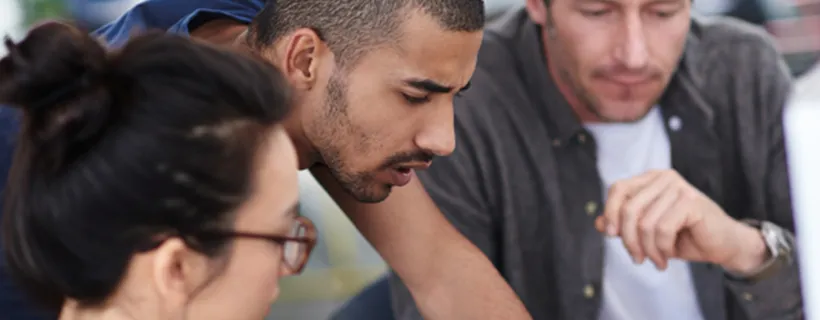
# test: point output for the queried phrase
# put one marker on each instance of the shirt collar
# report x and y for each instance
(563, 123)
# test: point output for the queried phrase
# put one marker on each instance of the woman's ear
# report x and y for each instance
(179, 272)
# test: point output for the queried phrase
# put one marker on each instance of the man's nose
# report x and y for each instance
(632, 50)
(438, 135)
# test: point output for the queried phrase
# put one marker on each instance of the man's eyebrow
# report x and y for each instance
(428, 85)
(432, 86)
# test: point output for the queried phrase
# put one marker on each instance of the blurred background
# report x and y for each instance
(344, 262)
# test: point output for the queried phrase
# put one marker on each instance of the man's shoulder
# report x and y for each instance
(729, 43)
(502, 37)
(726, 55)
(498, 97)
(726, 30)
(738, 72)
(498, 66)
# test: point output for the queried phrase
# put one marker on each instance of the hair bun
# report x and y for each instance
(53, 64)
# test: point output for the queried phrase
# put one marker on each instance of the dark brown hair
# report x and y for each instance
(118, 149)
(351, 27)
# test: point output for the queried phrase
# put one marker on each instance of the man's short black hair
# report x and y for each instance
(350, 27)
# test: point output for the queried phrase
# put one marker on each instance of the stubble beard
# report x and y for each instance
(336, 127)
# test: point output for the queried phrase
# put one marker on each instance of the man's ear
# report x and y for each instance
(302, 56)
(537, 11)
(178, 272)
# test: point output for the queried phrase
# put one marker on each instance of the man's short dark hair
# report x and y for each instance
(350, 27)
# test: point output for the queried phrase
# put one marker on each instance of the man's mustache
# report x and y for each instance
(408, 157)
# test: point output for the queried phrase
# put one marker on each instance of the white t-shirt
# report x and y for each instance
(630, 291)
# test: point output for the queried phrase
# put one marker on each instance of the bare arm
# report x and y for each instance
(447, 275)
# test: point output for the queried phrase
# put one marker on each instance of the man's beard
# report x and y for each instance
(337, 131)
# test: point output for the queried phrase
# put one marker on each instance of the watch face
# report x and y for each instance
(777, 239)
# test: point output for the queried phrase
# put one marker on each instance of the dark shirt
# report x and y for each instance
(523, 184)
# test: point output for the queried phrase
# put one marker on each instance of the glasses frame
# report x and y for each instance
(310, 239)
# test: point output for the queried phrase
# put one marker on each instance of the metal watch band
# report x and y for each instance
(780, 244)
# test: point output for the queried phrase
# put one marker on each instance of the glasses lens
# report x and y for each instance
(293, 254)
(294, 250)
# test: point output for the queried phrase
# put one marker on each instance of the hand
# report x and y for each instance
(661, 216)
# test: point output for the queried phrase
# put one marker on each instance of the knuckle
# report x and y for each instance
(666, 230)
(646, 227)
(631, 208)
(666, 249)
(689, 194)
(616, 188)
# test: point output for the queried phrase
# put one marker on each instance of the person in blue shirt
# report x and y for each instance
(374, 84)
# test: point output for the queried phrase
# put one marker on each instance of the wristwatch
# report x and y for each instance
(780, 244)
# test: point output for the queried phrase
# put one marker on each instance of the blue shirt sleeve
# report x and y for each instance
(176, 16)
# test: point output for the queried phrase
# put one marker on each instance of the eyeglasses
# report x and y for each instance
(296, 246)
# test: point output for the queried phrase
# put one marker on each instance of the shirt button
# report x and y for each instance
(582, 138)
(591, 208)
(556, 142)
(748, 296)
(589, 291)
(675, 123)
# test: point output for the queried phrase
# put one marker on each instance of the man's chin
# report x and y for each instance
(624, 113)
(369, 194)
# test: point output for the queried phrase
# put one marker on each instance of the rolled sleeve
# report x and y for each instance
(778, 296)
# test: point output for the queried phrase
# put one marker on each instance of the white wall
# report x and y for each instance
(11, 19)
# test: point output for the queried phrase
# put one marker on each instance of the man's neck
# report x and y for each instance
(306, 153)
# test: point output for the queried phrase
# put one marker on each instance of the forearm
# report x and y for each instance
(466, 286)
(448, 277)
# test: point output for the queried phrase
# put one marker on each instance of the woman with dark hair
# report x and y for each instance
(153, 182)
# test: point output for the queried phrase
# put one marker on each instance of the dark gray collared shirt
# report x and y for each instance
(523, 183)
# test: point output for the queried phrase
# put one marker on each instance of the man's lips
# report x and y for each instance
(412, 166)
(402, 174)
(628, 80)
